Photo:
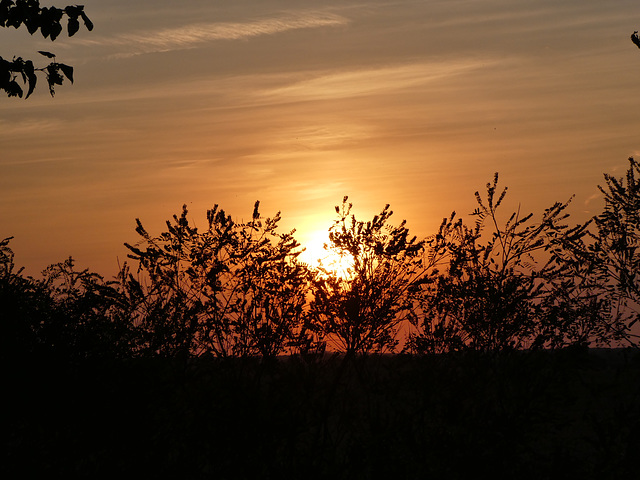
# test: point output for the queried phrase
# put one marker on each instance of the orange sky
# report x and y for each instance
(297, 103)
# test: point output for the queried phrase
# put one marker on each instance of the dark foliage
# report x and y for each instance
(617, 239)
(70, 315)
(503, 287)
(233, 289)
(360, 309)
(606, 261)
(49, 21)
(238, 289)
(176, 369)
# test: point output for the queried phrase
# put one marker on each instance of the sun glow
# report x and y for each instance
(317, 254)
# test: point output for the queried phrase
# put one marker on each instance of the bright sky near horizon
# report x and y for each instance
(298, 103)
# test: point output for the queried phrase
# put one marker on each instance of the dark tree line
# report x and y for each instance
(236, 289)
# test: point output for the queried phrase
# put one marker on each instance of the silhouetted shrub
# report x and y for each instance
(359, 310)
(505, 288)
(233, 289)
(606, 261)
(238, 289)
(68, 314)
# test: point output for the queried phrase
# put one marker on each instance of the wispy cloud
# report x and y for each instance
(287, 87)
(374, 80)
(190, 36)
(28, 126)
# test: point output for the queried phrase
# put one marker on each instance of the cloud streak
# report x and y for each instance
(374, 80)
(190, 36)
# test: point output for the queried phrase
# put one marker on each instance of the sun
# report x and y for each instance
(317, 254)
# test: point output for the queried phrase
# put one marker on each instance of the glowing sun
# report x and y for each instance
(316, 254)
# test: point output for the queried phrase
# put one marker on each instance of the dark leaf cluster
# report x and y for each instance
(14, 13)
(9, 70)
(47, 20)
(635, 39)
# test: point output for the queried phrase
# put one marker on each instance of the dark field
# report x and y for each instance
(565, 414)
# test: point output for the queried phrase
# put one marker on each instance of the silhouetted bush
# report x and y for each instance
(613, 256)
(162, 373)
(500, 287)
(233, 289)
(238, 289)
(67, 314)
(359, 310)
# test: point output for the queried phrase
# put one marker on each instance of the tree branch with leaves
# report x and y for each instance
(49, 21)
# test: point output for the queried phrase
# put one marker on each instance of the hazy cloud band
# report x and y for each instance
(189, 36)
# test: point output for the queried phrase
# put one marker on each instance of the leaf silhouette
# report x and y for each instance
(67, 70)
(29, 72)
(47, 54)
(87, 23)
(73, 26)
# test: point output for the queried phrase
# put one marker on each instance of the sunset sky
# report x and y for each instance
(298, 103)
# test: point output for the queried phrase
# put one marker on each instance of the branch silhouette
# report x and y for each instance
(47, 20)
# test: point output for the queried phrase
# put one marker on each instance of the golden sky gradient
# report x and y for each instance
(298, 103)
